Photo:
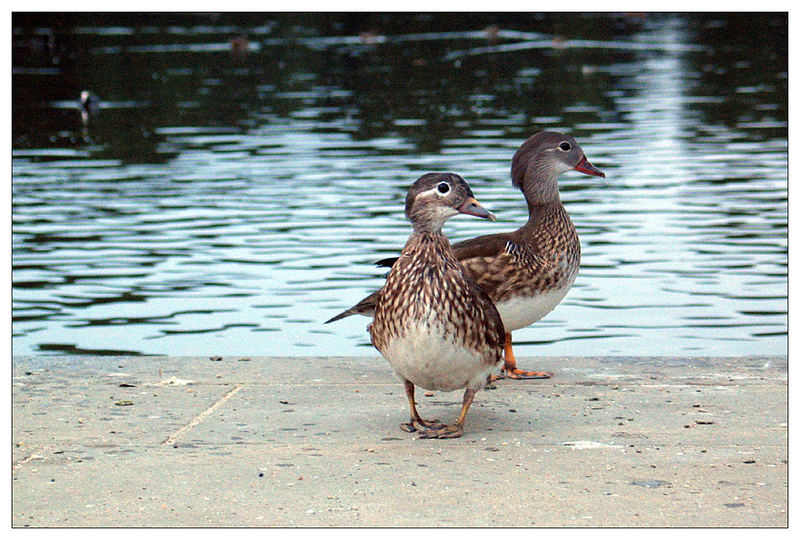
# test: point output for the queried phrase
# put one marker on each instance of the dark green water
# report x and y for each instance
(243, 172)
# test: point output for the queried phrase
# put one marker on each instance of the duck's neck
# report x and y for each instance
(429, 246)
(428, 227)
(541, 191)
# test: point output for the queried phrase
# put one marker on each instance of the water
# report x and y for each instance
(228, 202)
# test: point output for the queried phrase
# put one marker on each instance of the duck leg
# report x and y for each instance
(417, 423)
(510, 369)
(452, 431)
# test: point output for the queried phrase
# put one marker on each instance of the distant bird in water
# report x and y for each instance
(240, 44)
(492, 31)
(526, 273)
(370, 37)
(433, 324)
(89, 106)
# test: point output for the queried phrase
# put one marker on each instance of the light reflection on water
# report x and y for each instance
(201, 237)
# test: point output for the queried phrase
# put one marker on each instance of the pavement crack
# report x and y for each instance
(197, 420)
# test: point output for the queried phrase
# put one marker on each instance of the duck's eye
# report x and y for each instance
(565, 146)
(444, 187)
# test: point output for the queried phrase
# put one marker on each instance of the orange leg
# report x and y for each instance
(417, 423)
(452, 431)
(510, 368)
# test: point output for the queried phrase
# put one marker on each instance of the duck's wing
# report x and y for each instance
(499, 264)
(490, 245)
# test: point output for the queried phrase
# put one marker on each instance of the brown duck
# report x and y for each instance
(434, 325)
(526, 273)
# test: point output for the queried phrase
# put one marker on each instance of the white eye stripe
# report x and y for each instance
(434, 191)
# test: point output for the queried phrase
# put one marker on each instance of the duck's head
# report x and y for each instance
(436, 197)
(543, 157)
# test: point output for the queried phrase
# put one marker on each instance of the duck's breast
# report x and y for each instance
(430, 357)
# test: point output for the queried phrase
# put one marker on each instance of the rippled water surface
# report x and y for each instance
(243, 173)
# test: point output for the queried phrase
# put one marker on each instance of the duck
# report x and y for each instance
(433, 324)
(88, 105)
(527, 272)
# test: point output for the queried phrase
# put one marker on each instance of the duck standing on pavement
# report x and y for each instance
(434, 325)
(526, 273)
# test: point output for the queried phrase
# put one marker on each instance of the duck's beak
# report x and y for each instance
(587, 168)
(474, 208)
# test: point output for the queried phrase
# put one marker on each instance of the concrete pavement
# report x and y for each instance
(162, 442)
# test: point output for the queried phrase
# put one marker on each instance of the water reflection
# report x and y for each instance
(245, 172)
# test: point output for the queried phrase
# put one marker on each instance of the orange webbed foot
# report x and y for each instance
(418, 424)
(453, 431)
(510, 370)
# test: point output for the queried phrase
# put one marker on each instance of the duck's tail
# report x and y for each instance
(365, 307)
